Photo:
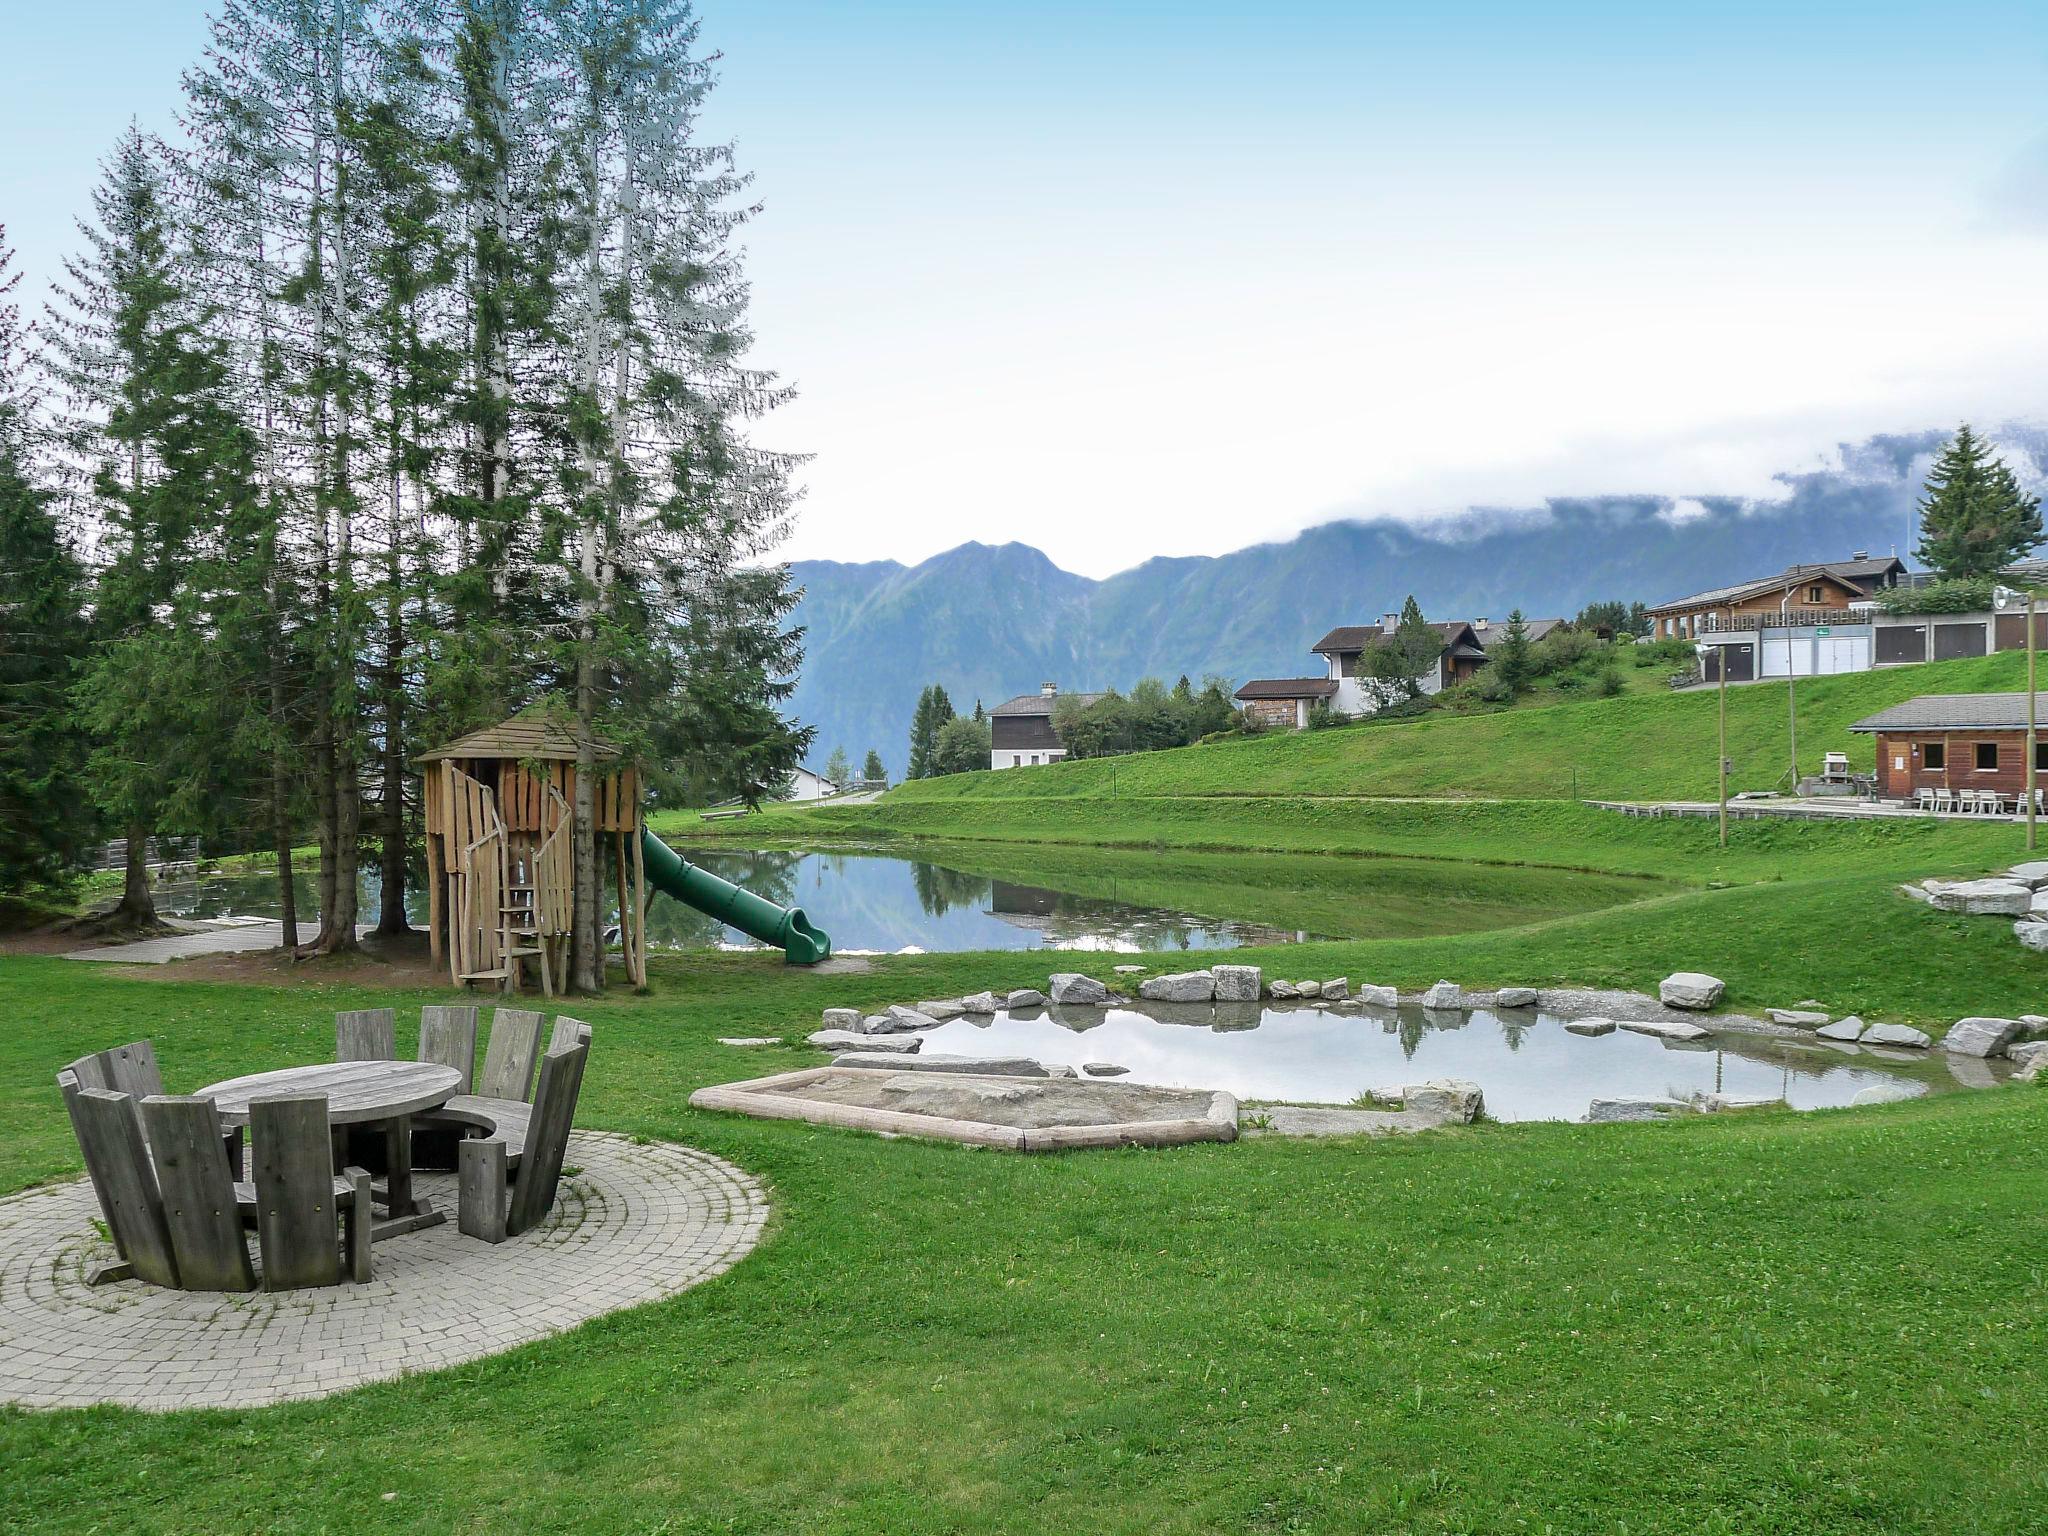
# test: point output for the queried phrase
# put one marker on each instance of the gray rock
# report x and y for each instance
(1721, 1103)
(1453, 1098)
(1445, 995)
(1646, 1107)
(2033, 935)
(1884, 1093)
(1237, 983)
(1379, 997)
(1071, 987)
(1799, 1018)
(1336, 989)
(1024, 997)
(1059, 1069)
(2032, 1070)
(939, 1008)
(1308, 989)
(1131, 970)
(898, 1020)
(1850, 1028)
(1663, 1030)
(976, 1066)
(2033, 1023)
(2038, 907)
(1985, 898)
(1282, 991)
(842, 1018)
(750, 1040)
(1979, 1036)
(2033, 873)
(1690, 989)
(2027, 1052)
(979, 1003)
(1515, 997)
(1103, 1069)
(852, 1040)
(1917, 892)
(1179, 987)
(1593, 1026)
(1895, 1034)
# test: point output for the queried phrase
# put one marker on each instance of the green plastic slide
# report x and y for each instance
(785, 927)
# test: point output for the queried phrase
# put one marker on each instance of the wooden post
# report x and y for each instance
(639, 905)
(1722, 667)
(625, 921)
(437, 874)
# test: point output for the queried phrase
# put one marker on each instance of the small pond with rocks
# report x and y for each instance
(1529, 1066)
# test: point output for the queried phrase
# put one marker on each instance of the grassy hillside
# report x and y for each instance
(1638, 746)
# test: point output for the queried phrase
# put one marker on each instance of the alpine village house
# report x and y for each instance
(1348, 686)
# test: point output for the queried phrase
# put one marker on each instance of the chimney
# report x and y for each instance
(1389, 622)
(1479, 625)
(1048, 690)
(1861, 554)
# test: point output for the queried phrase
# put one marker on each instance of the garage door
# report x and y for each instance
(1811, 654)
(1741, 663)
(1953, 640)
(1901, 642)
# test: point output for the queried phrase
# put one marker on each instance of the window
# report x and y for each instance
(1813, 596)
(1987, 756)
(2040, 756)
(1934, 754)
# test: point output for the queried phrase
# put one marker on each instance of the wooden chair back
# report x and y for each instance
(547, 1137)
(509, 1057)
(568, 1032)
(133, 1068)
(292, 1163)
(110, 1136)
(448, 1038)
(198, 1189)
(366, 1034)
(87, 1072)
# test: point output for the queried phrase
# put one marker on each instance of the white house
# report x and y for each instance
(1020, 730)
(806, 785)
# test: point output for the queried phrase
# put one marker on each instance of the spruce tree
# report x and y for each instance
(872, 770)
(1974, 518)
(1410, 654)
(1512, 664)
(838, 771)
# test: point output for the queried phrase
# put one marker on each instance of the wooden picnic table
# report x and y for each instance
(386, 1093)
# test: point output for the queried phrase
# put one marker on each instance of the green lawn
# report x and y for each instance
(1770, 1323)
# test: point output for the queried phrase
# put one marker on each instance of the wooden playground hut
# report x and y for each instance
(501, 870)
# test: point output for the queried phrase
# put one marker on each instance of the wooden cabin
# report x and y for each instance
(501, 870)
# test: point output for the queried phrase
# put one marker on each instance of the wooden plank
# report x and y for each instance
(91, 1072)
(568, 1032)
(361, 1231)
(436, 878)
(296, 1221)
(639, 908)
(448, 1038)
(198, 1190)
(110, 1136)
(509, 1056)
(547, 1138)
(366, 1034)
(134, 1070)
(480, 1191)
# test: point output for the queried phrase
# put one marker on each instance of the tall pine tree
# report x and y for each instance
(1974, 518)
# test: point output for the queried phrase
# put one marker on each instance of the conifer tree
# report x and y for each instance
(1410, 654)
(1974, 518)
(838, 771)
(872, 770)
(1513, 663)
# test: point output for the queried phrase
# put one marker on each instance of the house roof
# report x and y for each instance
(1039, 704)
(532, 733)
(1289, 688)
(1346, 639)
(1855, 573)
(1494, 632)
(1956, 712)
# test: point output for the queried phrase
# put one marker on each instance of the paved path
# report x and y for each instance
(231, 937)
(635, 1223)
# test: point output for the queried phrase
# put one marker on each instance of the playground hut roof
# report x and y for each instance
(531, 734)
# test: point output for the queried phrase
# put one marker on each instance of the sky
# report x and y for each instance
(1125, 278)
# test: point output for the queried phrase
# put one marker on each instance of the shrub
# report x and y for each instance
(1562, 650)
(1961, 594)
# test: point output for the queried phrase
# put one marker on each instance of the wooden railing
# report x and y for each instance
(1732, 623)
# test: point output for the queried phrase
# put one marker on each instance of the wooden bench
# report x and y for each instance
(504, 1192)
(509, 1120)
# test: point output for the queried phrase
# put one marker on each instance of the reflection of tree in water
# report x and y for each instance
(939, 889)
(1512, 1030)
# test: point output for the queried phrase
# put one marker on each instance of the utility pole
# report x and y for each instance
(1791, 701)
(1720, 654)
(2001, 599)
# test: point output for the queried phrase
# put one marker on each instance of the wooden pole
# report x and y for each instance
(2030, 720)
(639, 906)
(1723, 764)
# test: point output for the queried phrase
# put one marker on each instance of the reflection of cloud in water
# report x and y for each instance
(1530, 1068)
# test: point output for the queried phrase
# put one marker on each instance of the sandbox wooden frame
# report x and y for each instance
(768, 1098)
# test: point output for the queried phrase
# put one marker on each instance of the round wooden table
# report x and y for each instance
(387, 1093)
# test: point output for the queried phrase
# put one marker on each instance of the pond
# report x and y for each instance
(1031, 897)
(1528, 1065)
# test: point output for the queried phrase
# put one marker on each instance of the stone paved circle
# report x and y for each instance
(636, 1222)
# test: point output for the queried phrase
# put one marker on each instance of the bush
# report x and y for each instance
(1321, 717)
(1564, 650)
(1492, 686)
(1668, 652)
(1958, 594)
(1609, 681)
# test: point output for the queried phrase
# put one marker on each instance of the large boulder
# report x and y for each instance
(842, 1018)
(2038, 907)
(1978, 1036)
(1721, 1103)
(2033, 934)
(1451, 1099)
(1984, 898)
(940, 1008)
(898, 1020)
(1103, 1069)
(1378, 997)
(2026, 1053)
(1663, 1029)
(1690, 989)
(1896, 1034)
(979, 1004)
(1884, 1093)
(1024, 997)
(1444, 995)
(1180, 987)
(1283, 991)
(1798, 1018)
(1592, 1026)
(1071, 987)
(1515, 997)
(973, 1066)
(1635, 1107)
(2033, 873)
(1308, 989)
(1337, 989)
(1237, 983)
(853, 1040)
(1850, 1028)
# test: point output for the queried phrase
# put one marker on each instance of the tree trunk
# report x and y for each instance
(137, 906)
(391, 920)
(281, 806)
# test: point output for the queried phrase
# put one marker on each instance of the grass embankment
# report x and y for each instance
(1784, 1323)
